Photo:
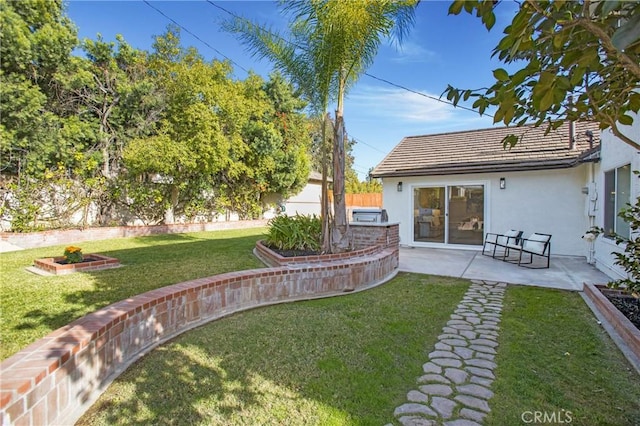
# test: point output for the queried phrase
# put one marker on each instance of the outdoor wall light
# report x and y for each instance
(503, 183)
(399, 186)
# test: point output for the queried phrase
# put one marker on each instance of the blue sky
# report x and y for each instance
(439, 50)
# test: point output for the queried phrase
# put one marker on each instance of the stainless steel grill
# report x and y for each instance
(369, 215)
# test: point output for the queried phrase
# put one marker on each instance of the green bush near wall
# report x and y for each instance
(299, 232)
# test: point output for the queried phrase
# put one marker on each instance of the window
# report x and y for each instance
(617, 188)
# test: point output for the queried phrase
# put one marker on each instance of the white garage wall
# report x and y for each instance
(548, 201)
(307, 202)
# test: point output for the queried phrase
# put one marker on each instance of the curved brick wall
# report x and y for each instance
(55, 379)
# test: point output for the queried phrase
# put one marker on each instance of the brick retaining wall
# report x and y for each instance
(54, 380)
(68, 236)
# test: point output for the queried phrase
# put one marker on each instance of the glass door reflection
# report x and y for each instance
(429, 214)
(466, 214)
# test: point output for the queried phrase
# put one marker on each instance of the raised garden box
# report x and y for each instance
(625, 328)
(92, 262)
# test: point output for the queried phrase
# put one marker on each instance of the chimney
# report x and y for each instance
(589, 134)
(572, 135)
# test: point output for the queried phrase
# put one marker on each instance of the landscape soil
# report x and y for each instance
(294, 253)
(84, 260)
(628, 305)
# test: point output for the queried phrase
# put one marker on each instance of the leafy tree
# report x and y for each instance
(221, 144)
(36, 40)
(118, 95)
(578, 60)
(45, 174)
(332, 44)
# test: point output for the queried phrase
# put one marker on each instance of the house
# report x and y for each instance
(615, 185)
(450, 189)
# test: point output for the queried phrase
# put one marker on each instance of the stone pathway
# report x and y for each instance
(455, 389)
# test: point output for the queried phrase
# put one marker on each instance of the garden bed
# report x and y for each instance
(600, 296)
(294, 253)
(91, 262)
(628, 305)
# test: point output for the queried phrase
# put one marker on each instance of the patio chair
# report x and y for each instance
(537, 244)
(500, 240)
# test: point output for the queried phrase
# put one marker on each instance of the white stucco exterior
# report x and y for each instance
(614, 153)
(548, 201)
(307, 202)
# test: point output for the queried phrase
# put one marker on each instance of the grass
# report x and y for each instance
(340, 361)
(351, 361)
(555, 358)
(32, 306)
(345, 360)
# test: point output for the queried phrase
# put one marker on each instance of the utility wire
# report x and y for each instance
(369, 145)
(423, 94)
(238, 65)
(366, 73)
(195, 36)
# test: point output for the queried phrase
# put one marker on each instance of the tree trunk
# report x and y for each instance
(339, 237)
(324, 207)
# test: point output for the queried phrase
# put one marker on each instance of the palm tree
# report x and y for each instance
(332, 44)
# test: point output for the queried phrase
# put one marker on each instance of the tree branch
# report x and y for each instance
(607, 44)
(623, 137)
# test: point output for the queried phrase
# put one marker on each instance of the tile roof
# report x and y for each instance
(477, 151)
(317, 177)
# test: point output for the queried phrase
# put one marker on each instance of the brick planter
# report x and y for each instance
(55, 379)
(627, 331)
(51, 265)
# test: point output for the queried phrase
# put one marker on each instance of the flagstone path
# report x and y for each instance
(455, 388)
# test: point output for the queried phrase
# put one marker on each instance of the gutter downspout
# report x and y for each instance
(591, 260)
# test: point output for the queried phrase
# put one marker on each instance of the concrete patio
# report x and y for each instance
(565, 272)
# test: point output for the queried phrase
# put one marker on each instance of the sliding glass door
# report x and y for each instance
(449, 214)
(428, 214)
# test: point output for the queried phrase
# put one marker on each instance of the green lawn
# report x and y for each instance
(554, 357)
(351, 360)
(32, 306)
(339, 361)
(346, 360)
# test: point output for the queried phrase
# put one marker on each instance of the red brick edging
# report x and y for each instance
(54, 380)
(98, 262)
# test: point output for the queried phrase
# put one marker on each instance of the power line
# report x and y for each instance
(366, 73)
(422, 94)
(195, 36)
(293, 44)
(364, 143)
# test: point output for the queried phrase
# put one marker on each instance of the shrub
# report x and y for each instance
(299, 232)
(630, 258)
(73, 254)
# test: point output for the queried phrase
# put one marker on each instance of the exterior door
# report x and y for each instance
(429, 214)
(449, 214)
(466, 214)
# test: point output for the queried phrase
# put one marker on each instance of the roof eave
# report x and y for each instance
(457, 169)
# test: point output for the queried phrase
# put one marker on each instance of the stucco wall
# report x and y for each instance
(614, 153)
(307, 202)
(549, 201)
